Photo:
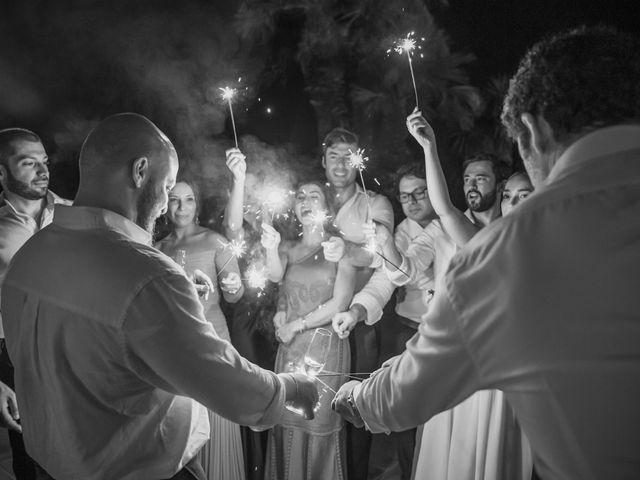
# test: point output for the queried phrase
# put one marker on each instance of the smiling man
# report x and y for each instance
(26, 206)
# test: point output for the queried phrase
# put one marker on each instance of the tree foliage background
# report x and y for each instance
(66, 65)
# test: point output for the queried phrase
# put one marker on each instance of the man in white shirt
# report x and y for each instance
(26, 206)
(114, 360)
(354, 207)
(543, 303)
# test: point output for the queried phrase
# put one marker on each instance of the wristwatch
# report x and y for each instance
(352, 404)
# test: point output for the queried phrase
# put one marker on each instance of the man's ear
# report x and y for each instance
(539, 132)
(324, 164)
(139, 171)
(3, 174)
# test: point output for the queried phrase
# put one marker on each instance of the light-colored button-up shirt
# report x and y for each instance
(544, 305)
(416, 246)
(372, 285)
(110, 346)
(16, 228)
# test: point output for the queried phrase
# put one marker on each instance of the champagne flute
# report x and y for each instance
(314, 359)
(317, 352)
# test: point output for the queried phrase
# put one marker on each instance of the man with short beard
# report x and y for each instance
(115, 361)
(26, 206)
(482, 175)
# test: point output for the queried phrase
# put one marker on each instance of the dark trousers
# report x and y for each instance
(254, 446)
(365, 350)
(391, 456)
(191, 471)
(24, 468)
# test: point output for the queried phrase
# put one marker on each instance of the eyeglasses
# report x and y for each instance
(417, 194)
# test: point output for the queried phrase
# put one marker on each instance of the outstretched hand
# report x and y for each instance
(9, 415)
(334, 249)
(420, 129)
(344, 404)
(343, 323)
(231, 283)
(202, 282)
(301, 391)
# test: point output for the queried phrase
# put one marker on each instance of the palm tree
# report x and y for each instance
(340, 47)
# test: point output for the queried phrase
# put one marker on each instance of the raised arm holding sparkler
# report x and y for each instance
(454, 222)
(234, 210)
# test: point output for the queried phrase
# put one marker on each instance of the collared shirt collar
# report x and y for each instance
(7, 209)
(85, 218)
(602, 142)
(51, 200)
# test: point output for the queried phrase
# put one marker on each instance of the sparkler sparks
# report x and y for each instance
(237, 250)
(407, 45)
(319, 218)
(228, 94)
(357, 160)
(256, 277)
(275, 200)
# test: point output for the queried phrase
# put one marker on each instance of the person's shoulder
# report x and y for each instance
(378, 199)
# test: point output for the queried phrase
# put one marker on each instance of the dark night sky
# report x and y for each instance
(65, 65)
(500, 31)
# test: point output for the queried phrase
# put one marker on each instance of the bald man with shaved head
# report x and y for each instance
(114, 359)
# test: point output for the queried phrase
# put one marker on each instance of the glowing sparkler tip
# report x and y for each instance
(357, 159)
(405, 45)
(228, 93)
(237, 248)
(256, 277)
(275, 199)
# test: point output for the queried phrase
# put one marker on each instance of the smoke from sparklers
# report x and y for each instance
(407, 45)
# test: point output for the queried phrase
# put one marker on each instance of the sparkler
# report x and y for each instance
(407, 45)
(237, 249)
(227, 94)
(256, 277)
(371, 247)
(318, 219)
(356, 160)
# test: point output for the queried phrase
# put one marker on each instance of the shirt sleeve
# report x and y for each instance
(417, 256)
(171, 345)
(381, 212)
(374, 296)
(433, 374)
